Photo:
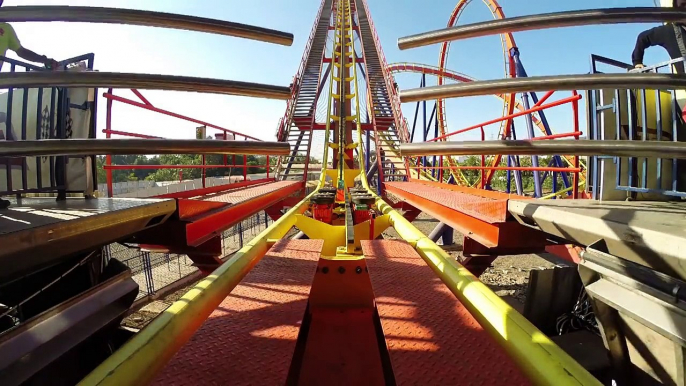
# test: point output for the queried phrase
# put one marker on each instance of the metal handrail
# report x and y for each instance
(545, 83)
(87, 147)
(88, 79)
(142, 18)
(651, 149)
(547, 20)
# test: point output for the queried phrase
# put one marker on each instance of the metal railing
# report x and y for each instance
(155, 271)
(547, 20)
(633, 114)
(145, 104)
(42, 13)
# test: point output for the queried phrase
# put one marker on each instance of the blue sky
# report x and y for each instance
(155, 50)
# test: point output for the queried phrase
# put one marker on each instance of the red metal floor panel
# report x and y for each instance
(432, 339)
(492, 210)
(240, 195)
(250, 338)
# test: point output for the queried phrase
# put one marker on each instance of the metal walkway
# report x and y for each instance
(648, 233)
(426, 327)
(32, 229)
(206, 216)
(423, 325)
(251, 337)
(478, 214)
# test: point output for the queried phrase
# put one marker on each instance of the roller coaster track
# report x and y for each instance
(147, 352)
(508, 44)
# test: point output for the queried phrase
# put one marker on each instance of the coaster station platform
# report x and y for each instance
(341, 302)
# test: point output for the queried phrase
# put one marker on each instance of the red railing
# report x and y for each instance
(575, 169)
(537, 107)
(146, 105)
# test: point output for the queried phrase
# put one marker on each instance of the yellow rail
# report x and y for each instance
(142, 357)
(138, 361)
(541, 359)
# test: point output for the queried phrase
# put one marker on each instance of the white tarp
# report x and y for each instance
(38, 127)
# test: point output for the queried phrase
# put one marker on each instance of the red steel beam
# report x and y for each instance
(481, 231)
(214, 189)
(575, 134)
(505, 236)
(127, 134)
(141, 97)
(211, 225)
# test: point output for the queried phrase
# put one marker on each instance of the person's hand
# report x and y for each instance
(637, 68)
(51, 64)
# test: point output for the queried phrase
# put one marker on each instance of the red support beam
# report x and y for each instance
(141, 97)
(210, 225)
(492, 229)
(108, 157)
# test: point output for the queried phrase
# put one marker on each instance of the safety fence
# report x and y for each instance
(155, 271)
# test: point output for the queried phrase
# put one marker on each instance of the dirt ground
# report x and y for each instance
(508, 276)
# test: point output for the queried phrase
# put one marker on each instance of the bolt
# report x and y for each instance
(358, 270)
(341, 270)
(325, 270)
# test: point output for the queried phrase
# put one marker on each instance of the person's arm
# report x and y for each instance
(31, 56)
(649, 38)
(27, 54)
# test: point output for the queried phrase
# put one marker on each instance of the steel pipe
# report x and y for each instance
(86, 147)
(142, 18)
(545, 83)
(651, 149)
(141, 81)
(546, 20)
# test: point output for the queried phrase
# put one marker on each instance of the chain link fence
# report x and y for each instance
(154, 271)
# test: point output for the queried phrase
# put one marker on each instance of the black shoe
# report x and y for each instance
(4, 204)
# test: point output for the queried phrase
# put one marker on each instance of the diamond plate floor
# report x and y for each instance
(492, 210)
(251, 337)
(431, 337)
(239, 195)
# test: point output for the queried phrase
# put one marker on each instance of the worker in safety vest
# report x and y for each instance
(669, 36)
(9, 40)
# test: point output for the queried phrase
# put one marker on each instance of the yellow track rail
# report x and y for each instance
(139, 360)
(541, 359)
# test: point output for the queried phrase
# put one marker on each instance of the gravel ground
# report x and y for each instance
(142, 317)
(508, 276)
